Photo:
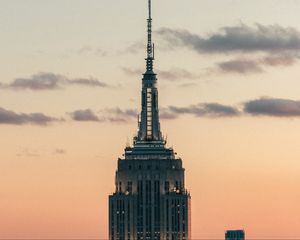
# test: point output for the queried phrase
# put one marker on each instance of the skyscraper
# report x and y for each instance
(235, 235)
(150, 200)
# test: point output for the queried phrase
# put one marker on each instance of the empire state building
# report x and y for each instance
(150, 199)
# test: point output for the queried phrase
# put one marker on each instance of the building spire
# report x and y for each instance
(149, 126)
(150, 45)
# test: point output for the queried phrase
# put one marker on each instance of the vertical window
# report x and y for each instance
(167, 186)
(120, 186)
(128, 220)
(129, 187)
(149, 113)
(177, 185)
(140, 207)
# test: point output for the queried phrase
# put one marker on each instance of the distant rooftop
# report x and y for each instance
(235, 235)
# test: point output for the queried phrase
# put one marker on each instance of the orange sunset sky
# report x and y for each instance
(228, 79)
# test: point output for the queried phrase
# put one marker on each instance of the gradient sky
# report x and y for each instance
(70, 84)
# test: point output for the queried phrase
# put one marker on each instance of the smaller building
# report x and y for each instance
(235, 235)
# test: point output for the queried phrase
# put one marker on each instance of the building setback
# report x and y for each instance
(150, 199)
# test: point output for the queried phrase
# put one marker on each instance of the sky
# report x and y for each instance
(70, 80)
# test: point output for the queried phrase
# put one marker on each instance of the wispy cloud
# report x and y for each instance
(240, 38)
(40, 81)
(167, 114)
(256, 65)
(280, 60)
(134, 48)
(280, 45)
(265, 106)
(50, 81)
(60, 151)
(119, 115)
(187, 85)
(86, 115)
(175, 74)
(132, 71)
(212, 110)
(240, 66)
(10, 117)
(92, 50)
(89, 82)
(275, 107)
(114, 115)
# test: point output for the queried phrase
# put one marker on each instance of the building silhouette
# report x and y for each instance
(235, 235)
(150, 200)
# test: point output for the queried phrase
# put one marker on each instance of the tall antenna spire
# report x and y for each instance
(149, 126)
(150, 46)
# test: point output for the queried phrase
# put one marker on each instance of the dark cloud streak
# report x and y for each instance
(86, 115)
(175, 74)
(212, 110)
(91, 82)
(10, 117)
(50, 81)
(279, 60)
(40, 81)
(274, 107)
(240, 38)
(91, 50)
(241, 66)
(118, 115)
(248, 66)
